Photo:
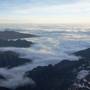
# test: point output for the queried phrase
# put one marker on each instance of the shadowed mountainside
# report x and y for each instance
(63, 75)
(16, 43)
(14, 35)
(11, 59)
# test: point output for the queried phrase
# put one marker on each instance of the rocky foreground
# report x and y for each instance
(66, 75)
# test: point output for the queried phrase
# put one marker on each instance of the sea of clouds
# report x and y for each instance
(51, 48)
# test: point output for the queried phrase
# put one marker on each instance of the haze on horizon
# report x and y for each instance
(44, 11)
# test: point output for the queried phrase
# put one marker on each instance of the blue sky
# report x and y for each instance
(44, 11)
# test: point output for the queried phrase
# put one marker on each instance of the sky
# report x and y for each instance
(44, 11)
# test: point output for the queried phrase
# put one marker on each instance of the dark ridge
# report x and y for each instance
(3, 88)
(16, 43)
(83, 53)
(1, 77)
(26, 87)
(14, 35)
(11, 59)
(53, 77)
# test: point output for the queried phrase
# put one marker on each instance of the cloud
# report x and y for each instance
(82, 74)
(14, 78)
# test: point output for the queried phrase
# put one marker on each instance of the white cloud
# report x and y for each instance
(82, 74)
(14, 78)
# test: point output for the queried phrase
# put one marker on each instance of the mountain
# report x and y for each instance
(11, 59)
(15, 43)
(14, 35)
